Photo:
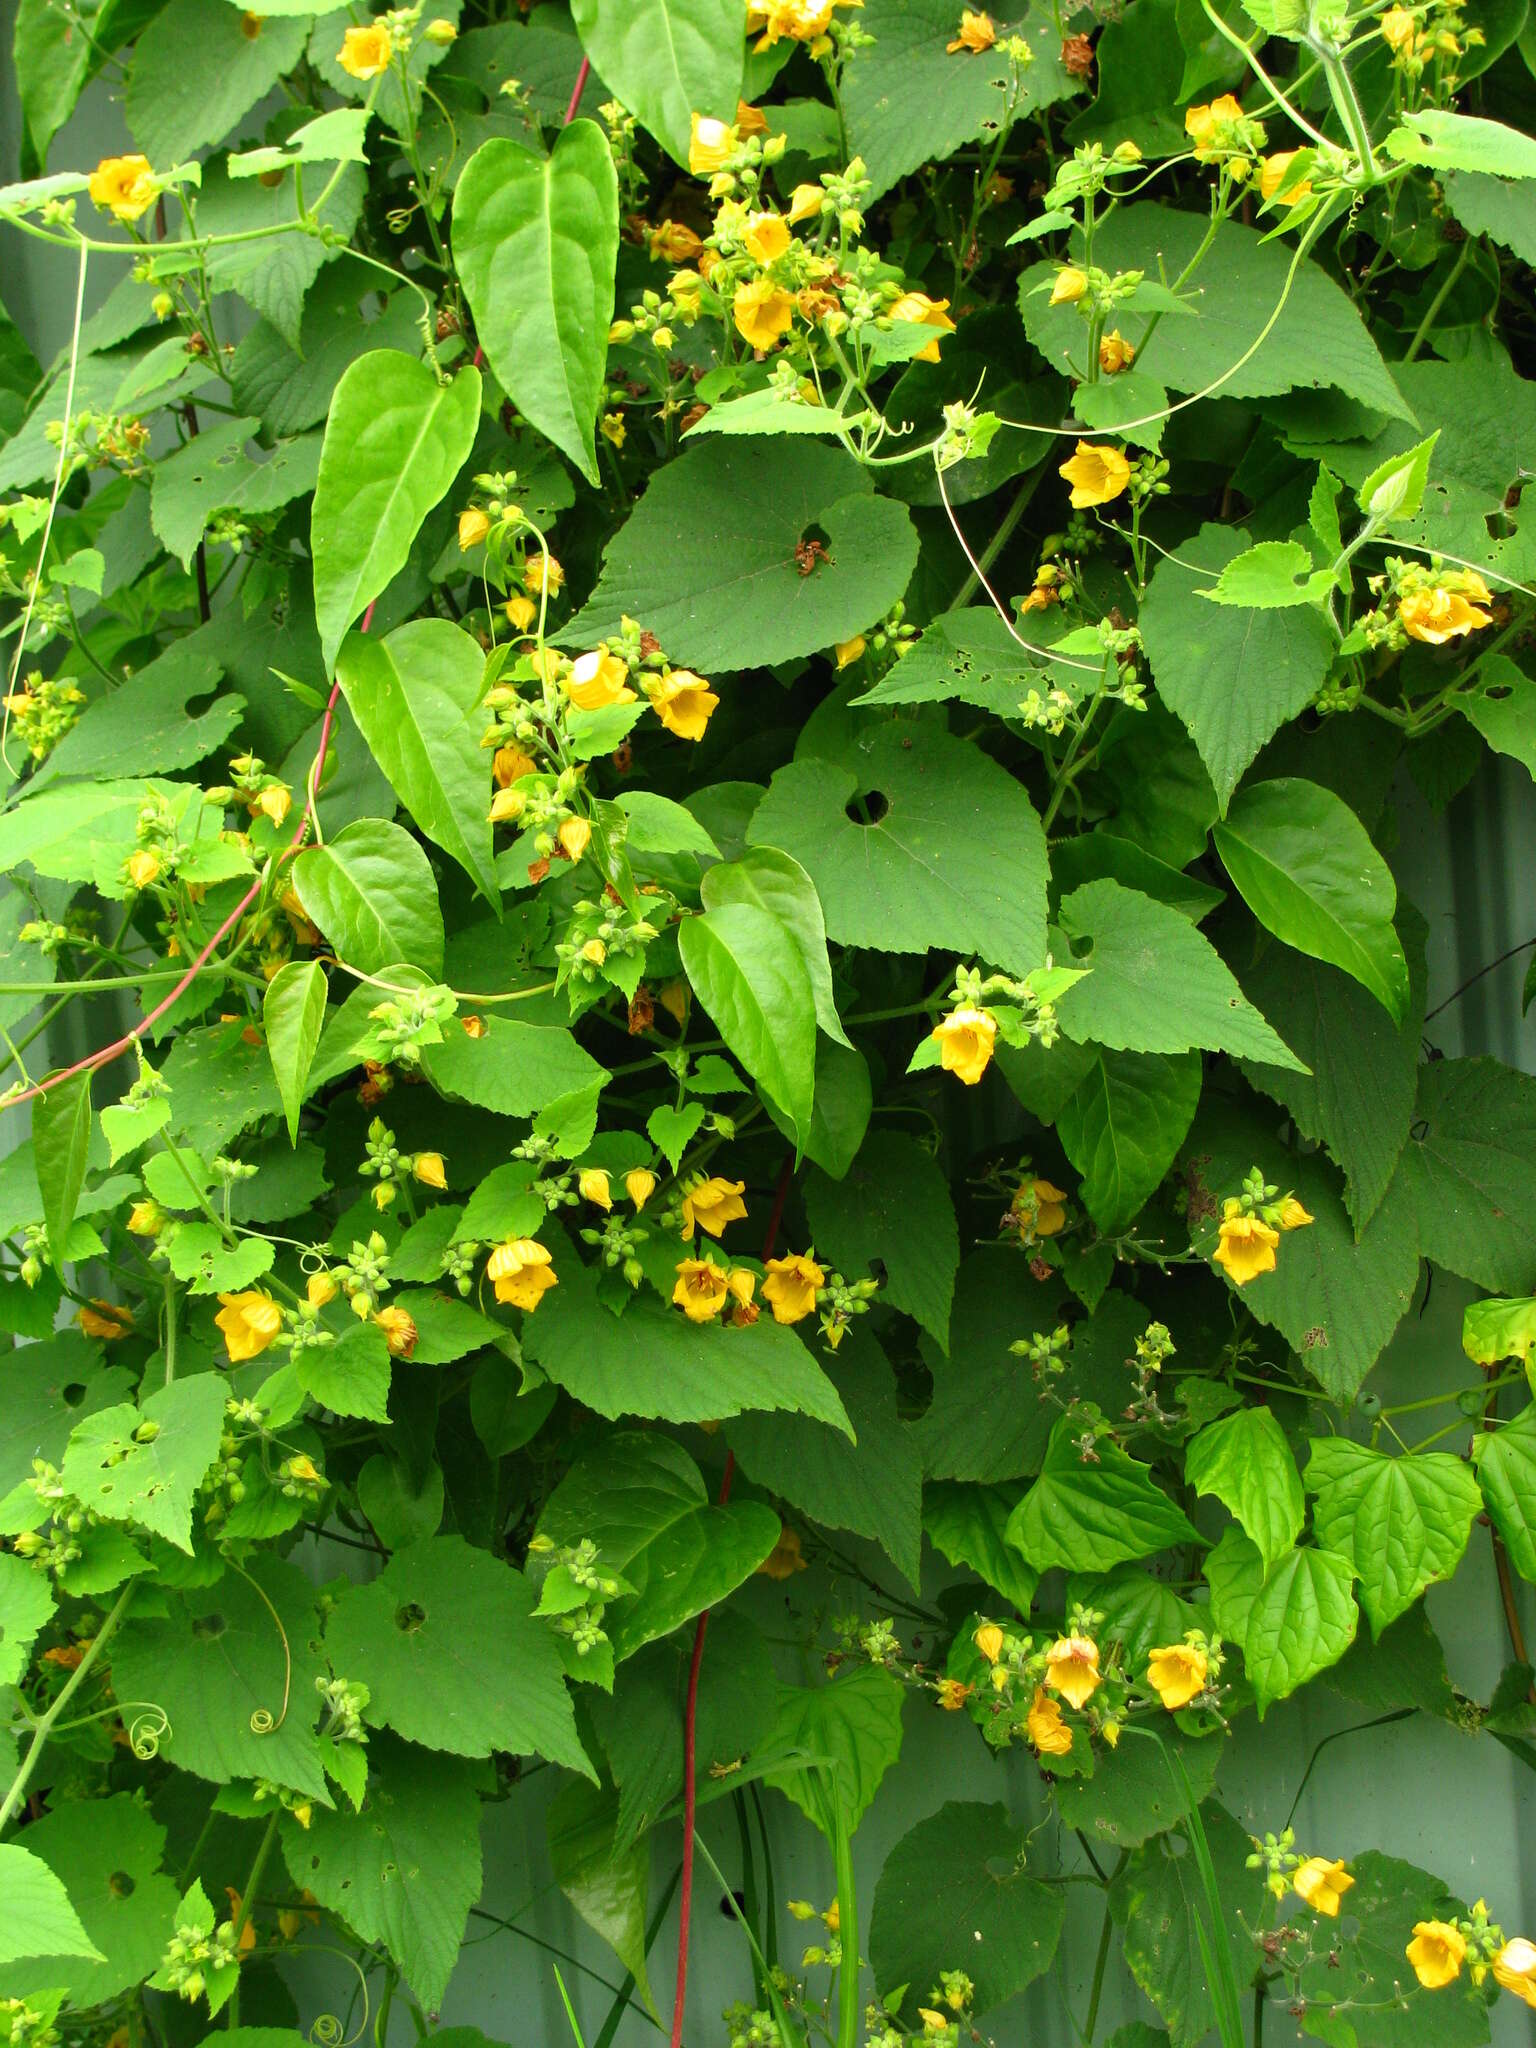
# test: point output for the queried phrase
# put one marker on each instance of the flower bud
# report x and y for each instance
(440, 32)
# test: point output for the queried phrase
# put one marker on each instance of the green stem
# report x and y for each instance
(77, 1678)
(1100, 1964)
(170, 1330)
(1426, 325)
(243, 1912)
(999, 540)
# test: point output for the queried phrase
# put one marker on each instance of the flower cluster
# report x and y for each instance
(1251, 1226)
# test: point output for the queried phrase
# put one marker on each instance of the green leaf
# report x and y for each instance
(39, 1919)
(213, 471)
(406, 1870)
(969, 656)
(395, 439)
(337, 137)
(1132, 1795)
(1263, 578)
(512, 1069)
(1358, 1098)
(415, 1637)
(401, 1511)
(953, 855)
(1088, 1517)
(1306, 868)
(845, 1733)
(748, 971)
(536, 239)
(707, 562)
(293, 1014)
(908, 100)
(967, 1525)
(1495, 1329)
(771, 881)
(1461, 142)
(271, 270)
(1501, 703)
(1245, 1461)
(1232, 675)
(61, 1136)
(25, 1606)
(106, 1853)
(197, 69)
(1469, 1171)
(1492, 206)
(1156, 984)
(955, 1886)
(1139, 1610)
(1506, 1471)
(672, 1131)
(36, 1418)
(873, 1485)
(1318, 341)
(1395, 488)
(839, 1114)
(657, 825)
(144, 726)
(372, 893)
(892, 1207)
(1303, 1619)
(414, 695)
(351, 1376)
(1159, 1904)
(219, 1668)
(1402, 1522)
(1123, 1127)
(641, 1500)
(606, 1883)
(651, 1361)
(667, 60)
(143, 1465)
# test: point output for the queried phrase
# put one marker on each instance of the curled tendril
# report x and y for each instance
(327, 2031)
(147, 1730)
(263, 1720)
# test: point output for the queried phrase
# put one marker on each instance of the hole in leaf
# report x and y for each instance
(73, 1394)
(208, 1626)
(120, 1885)
(1498, 691)
(1082, 946)
(410, 1617)
(868, 809)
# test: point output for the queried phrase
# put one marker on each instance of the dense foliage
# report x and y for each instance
(725, 693)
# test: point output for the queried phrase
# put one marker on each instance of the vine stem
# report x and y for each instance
(243, 1912)
(691, 1704)
(105, 1055)
(577, 90)
(77, 1678)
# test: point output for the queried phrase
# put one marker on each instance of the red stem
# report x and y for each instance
(691, 1703)
(577, 90)
(108, 1053)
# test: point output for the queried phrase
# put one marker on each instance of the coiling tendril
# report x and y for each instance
(263, 1721)
(147, 1730)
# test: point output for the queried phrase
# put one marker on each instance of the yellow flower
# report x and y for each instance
(1437, 1952)
(1292, 1215)
(790, 1288)
(400, 1332)
(1115, 353)
(922, 311)
(766, 237)
(1072, 1668)
(762, 313)
(701, 1291)
(1097, 473)
(142, 867)
(365, 52)
(804, 21)
(805, 203)
(989, 1640)
(1177, 1673)
(427, 1167)
(541, 571)
(674, 242)
(146, 1219)
(474, 525)
(683, 702)
(597, 680)
(521, 613)
(441, 31)
(1272, 174)
(741, 1285)
(319, 1289)
(1247, 1246)
(966, 1037)
(507, 805)
(712, 1204)
(933, 2022)
(639, 1185)
(976, 33)
(275, 801)
(1321, 1884)
(1398, 30)
(953, 1694)
(1049, 1206)
(1201, 124)
(711, 144)
(1069, 287)
(1515, 1968)
(848, 651)
(613, 429)
(520, 1271)
(750, 120)
(574, 835)
(592, 1186)
(1443, 613)
(304, 1469)
(249, 1321)
(1045, 1728)
(786, 1557)
(104, 1320)
(123, 186)
(511, 764)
